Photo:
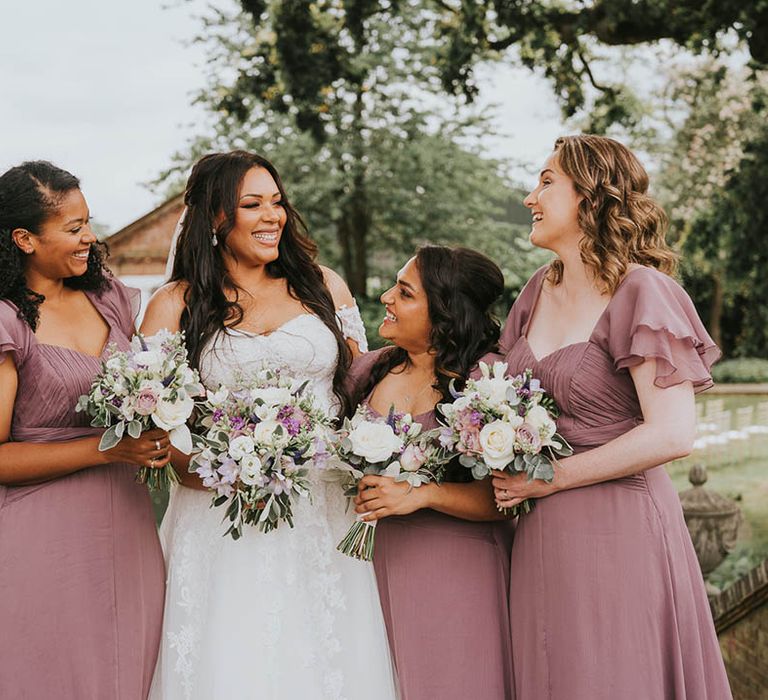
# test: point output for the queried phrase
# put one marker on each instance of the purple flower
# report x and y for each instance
(217, 414)
(229, 470)
(237, 423)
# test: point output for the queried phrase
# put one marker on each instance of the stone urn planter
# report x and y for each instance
(713, 522)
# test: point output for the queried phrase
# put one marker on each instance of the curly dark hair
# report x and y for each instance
(461, 287)
(213, 189)
(30, 194)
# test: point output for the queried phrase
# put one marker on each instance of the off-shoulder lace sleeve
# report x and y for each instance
(14, 335)
(654, 318)
(352, 327)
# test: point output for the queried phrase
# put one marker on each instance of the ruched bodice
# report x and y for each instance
(649, 316)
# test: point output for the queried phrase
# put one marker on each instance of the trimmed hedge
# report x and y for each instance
(741, 370)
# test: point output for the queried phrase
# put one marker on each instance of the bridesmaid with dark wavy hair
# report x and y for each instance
(607, 599)
(81, 571)
(442, 552)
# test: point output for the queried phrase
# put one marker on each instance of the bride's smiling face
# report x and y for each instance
(259, 220)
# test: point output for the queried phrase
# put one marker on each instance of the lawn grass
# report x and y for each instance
(744, 479)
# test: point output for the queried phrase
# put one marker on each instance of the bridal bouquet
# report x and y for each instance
(392, 445)
(150, 385)
(505, 423)
(257, 445)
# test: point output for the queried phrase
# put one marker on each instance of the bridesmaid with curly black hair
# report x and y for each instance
(81, 571)
(442, 552)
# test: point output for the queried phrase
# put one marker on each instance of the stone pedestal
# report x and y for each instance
(713, 522)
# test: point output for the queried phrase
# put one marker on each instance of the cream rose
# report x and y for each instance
(269, 433)
(374, 442)
(172, 414)
(498, 442)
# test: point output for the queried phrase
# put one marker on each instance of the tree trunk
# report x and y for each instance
(716, 309)
(355, 223)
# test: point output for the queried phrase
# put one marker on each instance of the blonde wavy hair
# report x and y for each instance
(622, 224)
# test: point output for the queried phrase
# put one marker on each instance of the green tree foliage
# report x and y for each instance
(561, 37)
(346, 99)
(711, 184)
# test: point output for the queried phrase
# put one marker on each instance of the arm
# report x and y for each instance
(25, 463)
(381, 496)
(341, 297)
(667, 433)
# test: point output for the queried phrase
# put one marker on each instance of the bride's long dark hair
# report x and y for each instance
(213, 190)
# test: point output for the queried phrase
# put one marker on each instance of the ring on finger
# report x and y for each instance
(152, 462)
(157, 445)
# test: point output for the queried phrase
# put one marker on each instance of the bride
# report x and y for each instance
(279, 615)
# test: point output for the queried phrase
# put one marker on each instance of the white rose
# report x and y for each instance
(169, 415)
(498, 442)
(538, 417)
(241, 446)
(272, 395)
(374, 442)
(250, 470)
(150, 359)
(269, 433)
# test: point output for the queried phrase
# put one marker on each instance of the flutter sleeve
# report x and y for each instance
(352, 326)
(654, 318)
(14, 335)
(122, 304)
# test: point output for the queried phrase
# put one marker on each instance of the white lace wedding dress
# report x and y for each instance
(279, 615)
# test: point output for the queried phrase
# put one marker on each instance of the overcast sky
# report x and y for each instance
(104, 88)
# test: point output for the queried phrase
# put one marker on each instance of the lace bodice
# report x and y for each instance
(303, 346)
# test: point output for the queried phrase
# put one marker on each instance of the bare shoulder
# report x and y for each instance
(165, 308)
(337, 287)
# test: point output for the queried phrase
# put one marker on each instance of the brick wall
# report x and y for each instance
(741, 619)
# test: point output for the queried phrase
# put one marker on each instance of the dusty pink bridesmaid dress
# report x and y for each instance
(607, 600)
(81, 570)
(443, 584)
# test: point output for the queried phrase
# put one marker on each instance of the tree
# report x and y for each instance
(718, 143)
(561, 38)
(375, 157)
